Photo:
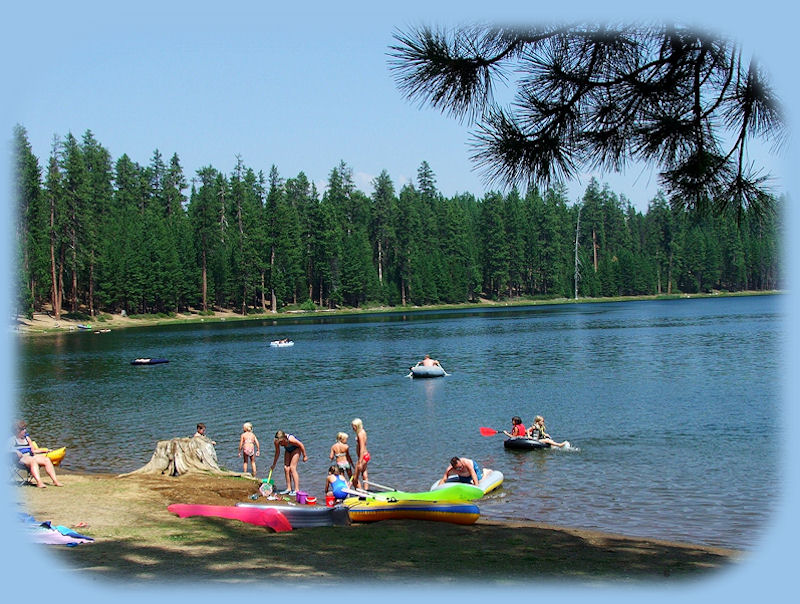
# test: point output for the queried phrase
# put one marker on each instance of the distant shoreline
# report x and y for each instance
(45, 324)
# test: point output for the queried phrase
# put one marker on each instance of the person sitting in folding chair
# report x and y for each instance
(29, 458)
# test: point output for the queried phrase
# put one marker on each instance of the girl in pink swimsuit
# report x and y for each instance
(249, 448)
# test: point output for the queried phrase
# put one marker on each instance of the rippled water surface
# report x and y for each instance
(671, 407)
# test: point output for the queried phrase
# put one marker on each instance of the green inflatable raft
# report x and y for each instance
(453, 492)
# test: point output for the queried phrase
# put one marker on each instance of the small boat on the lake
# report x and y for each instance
(524, 443)
(148, 361)
(433, 371)
(281, 343)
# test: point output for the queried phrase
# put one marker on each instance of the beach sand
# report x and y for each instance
(137, 539)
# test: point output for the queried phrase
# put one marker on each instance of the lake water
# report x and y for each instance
(672, 407)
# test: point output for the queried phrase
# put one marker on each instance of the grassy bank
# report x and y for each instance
(137, 539)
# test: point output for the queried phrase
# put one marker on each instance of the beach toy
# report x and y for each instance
(301, 496)
(329, 499)
(311, 500)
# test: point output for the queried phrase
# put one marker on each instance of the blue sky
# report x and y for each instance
(306, 87)
(298, 90)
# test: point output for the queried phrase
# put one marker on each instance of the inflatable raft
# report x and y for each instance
(303, 516)
(55, 455)
(450, 492)
(279, 344)
(523, 443)
(373, 510)
(270, 517)
(418, 371)
(490, 481)
(148, 361)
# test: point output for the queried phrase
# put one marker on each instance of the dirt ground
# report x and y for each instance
(137, 539)
(44, 323)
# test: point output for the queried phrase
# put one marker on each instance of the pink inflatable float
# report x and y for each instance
(259, 517)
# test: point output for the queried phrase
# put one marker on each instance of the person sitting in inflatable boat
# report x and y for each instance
(517, 428)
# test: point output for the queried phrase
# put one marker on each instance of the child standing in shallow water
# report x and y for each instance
(340, 454)
(249, 448)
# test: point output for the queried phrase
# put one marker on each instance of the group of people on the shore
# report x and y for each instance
(293, 450)
(346, 475)
(537, 431)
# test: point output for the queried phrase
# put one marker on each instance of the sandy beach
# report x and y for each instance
(137, 539)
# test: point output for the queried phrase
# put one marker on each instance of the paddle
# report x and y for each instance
(372, 483)
(358, 492)
(488, 431)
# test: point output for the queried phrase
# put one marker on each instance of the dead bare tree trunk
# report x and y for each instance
(178, 456)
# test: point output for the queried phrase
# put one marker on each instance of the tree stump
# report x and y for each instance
(178, 456)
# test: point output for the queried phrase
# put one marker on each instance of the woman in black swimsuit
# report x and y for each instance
(293, 448)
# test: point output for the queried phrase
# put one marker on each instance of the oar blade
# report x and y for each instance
(487, 431)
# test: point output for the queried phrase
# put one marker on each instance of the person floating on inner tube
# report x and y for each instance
(428, 362)
(467, 470)
(538, 431)
(517, 428)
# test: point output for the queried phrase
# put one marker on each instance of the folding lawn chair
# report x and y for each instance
(19, 473)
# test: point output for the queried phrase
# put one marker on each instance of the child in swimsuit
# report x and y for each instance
(539, 432)
(336, 483)
(517, 428)
(340, 452)
(249, 448)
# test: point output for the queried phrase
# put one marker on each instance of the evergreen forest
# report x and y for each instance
(101, 235)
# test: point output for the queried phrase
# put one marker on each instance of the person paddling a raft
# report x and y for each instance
(467, 470)
(517, 428)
